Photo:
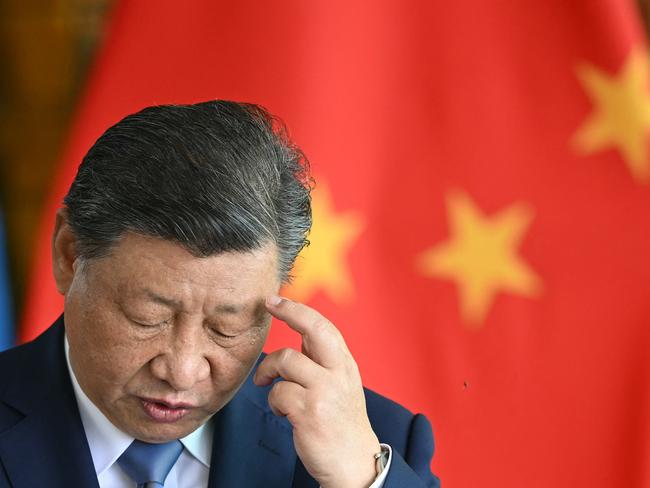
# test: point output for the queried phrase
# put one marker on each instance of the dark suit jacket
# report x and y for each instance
(43, 444)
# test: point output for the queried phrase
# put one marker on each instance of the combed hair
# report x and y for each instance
(214, 177)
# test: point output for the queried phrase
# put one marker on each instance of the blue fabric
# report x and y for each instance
(42, 441)
(150, 463)
(6, 320)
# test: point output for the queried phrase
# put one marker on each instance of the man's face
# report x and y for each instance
(159, 339)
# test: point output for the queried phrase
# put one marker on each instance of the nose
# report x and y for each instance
(183, 363)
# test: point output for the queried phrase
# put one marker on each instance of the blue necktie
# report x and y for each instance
(149, 464)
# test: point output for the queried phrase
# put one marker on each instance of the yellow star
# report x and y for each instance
(481, 256)
(621, 114)
(322, 265)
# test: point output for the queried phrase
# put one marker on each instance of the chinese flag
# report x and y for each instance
(482, 206)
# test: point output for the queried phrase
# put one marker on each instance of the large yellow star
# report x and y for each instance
(323, 264)
(481, 256)
(621, 114)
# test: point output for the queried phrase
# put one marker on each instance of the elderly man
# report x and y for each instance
(175, 237)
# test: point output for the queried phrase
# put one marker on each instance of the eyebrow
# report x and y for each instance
(170, 302)
(226, 308)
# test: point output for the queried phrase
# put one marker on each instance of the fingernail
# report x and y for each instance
(273, 300)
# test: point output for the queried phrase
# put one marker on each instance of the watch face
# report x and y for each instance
(382, 460)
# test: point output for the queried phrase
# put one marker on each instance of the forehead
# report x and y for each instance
(138, 263)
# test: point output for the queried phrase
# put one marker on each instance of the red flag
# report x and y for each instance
(482, 209)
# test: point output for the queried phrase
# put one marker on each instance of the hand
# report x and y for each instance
(322, 397)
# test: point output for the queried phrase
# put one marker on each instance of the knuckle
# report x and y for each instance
(285, 354)
(285, 358)
(337, 335)
(276, 392)
(320, 325)
(352, 368)
(272, 394)
(288, 305)
(319, 408)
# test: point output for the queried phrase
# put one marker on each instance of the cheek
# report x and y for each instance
(102, 348)
(231, 365)
(252, 346)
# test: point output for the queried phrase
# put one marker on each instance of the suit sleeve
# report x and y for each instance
(414, 469)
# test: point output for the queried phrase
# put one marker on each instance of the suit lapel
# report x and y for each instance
(47, 447)
(252, 447)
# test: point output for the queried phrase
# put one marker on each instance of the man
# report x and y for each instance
(176, 235)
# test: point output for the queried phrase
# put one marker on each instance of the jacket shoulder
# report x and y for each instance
(30, 370)
(13, 362)
(379, 405)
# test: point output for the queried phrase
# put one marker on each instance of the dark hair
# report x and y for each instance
(216, 176)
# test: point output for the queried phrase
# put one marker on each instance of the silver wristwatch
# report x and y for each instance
(381, 460)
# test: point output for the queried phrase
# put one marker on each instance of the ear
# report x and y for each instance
(64, 252)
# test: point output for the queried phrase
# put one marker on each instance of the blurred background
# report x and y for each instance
(508, 408)
(47, 48)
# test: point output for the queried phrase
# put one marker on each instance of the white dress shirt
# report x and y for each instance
(107, 443)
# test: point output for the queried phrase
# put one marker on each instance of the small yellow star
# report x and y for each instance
(481, 256)
(322, 265)
(621, 114)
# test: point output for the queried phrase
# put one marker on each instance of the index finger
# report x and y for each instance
(321, 340)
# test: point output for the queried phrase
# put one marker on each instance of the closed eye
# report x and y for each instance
(143, 323)
(222, 335)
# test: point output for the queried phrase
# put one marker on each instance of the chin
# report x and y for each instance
(157, 434)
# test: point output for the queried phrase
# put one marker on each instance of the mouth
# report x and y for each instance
(165, 412)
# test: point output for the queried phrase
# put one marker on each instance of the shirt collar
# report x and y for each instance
(107, 442)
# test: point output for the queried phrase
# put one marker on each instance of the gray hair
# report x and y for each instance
(214, 177)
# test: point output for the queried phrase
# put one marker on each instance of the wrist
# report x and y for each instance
(358, 473)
